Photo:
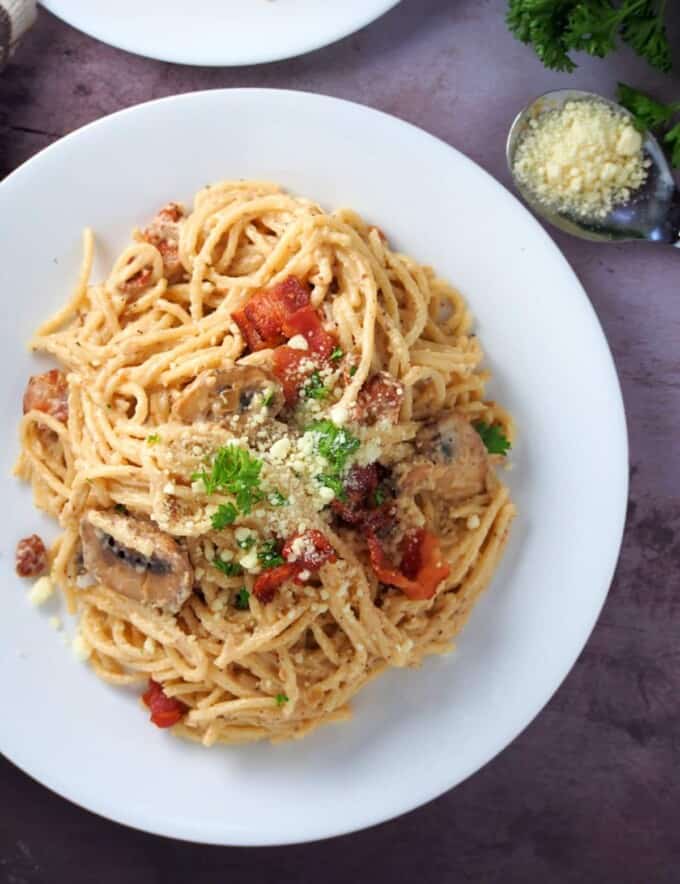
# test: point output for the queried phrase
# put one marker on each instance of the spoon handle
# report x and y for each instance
(672, 222)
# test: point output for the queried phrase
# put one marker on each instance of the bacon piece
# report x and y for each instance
(261, 319)
(292, 368)
(163, 233)
(165, 711)
(136, 284)
(307, 322)
(422, 568)
(316, 550)
(379, 398)
(48, 392)
(267, 583)
(360, 507)
(31, 557)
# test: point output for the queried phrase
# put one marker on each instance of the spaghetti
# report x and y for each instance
(272, 461)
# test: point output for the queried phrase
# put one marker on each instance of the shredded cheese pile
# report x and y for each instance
(582, 159)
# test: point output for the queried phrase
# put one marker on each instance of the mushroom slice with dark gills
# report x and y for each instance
(449, 458)
(229, 396)
(136, 559)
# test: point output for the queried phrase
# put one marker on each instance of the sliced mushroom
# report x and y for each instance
(450, 458)
(229, 395)
(136, 559)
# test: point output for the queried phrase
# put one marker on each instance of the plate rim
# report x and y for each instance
(446, 783)
(55, 7)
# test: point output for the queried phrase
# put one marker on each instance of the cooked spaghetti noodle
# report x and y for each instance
(262, 459)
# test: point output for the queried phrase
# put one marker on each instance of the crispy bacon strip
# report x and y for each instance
(360, 508)
(31, 557)
(163, 233)
(422, 566)
(48, 392)
(165, 711)
(266, 584)
(262, 318)
(379, 398)
(316, 551)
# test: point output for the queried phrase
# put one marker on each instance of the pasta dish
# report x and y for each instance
(271, 458)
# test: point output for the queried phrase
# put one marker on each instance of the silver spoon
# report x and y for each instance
(653, 212)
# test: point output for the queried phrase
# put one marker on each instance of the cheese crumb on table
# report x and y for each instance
(581, 159)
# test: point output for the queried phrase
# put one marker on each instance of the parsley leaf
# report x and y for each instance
(235, 471)
(672, 139)
(648, 113)
(353, 370)
(242, 600)
(247, 542)
(334, 443)
(314, 388)
(230, 569)
(651, 114)
(281, 699)
(554, 28)
(334, 483)
(493, 438)
(121, 508)
(268, 398)
(153, 439)
(277, 499)
(378, 496)
(269, 555)
(226, 515)
(337, 354)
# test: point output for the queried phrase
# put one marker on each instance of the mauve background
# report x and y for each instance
(589, 793)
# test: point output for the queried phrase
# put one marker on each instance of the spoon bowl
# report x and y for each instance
(653, 212)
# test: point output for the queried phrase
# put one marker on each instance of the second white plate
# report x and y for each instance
(221, 33)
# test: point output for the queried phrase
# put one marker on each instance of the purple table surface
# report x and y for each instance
(590, 791)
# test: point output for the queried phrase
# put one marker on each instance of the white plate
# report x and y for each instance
(415, 733)
(219, 32)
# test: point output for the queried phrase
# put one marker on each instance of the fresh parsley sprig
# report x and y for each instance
(336, 445)
(554, 28)
(652, 115)
(235, 471)
(493, 438)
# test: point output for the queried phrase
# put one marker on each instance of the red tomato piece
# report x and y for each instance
(316, 550)
(267, 583)
(421, 558)
(165, 711)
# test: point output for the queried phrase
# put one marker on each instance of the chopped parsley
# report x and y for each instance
(334, 483)
(269, 555)
(281, 699)
(651, 114)
(242, 600)
(121, 508)
(230, 569)
(353, 370)
(378, 496)
(314, 388)
(277, 499)
(337, 445)
(337, 354)
(235, 471)
(334, 443)
(153, 439)
(493, 438)
(247, 542)
(268, 398)
(226, 515)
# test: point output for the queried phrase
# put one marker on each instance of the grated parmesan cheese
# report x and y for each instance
(582, 159)
(41, 590)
